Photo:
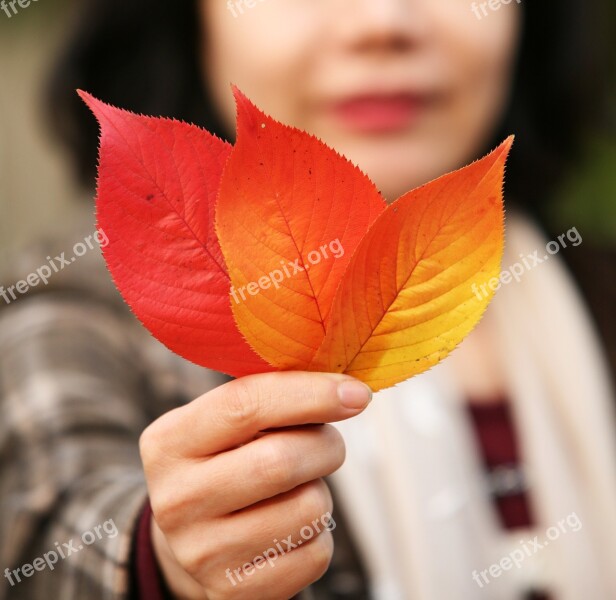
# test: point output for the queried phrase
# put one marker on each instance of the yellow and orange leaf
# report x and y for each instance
(406, 299)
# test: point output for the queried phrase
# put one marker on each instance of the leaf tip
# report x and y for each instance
(242, 102)
(237, 93)
(249, 116)
(506, 145)
(94, 104)
(90, 101)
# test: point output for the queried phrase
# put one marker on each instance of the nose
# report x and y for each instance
(382, 26)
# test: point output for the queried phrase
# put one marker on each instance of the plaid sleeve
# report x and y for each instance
(79, 381)
(73, 403)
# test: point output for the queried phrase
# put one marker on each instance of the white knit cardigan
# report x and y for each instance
(412, 481)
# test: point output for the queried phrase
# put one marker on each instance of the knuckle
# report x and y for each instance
(189, 559)
(337, 448)
(163, 510)
(273, 462)
(320, 553)
(315, 500)
(198, 560)
(241, 404)
(158, 440)
(176, 507)
(148, 448)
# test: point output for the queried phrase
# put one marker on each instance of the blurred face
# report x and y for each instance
(406, 89)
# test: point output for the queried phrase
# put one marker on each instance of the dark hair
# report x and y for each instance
(144, 56)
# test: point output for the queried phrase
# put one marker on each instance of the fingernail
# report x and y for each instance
(354, 394)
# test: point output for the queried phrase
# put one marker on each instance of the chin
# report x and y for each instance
(394, 177)
(395, 165)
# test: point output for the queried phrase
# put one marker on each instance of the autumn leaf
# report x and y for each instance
(407, 299)
(157, 186)
(280, 254)
(284, 198)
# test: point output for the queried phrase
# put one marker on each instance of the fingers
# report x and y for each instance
(271, 532)
(236, 475)
(274, 577)
(237, 411)
(285, 522)
(268, 466)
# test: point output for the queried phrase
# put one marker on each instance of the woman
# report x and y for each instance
(407, 89)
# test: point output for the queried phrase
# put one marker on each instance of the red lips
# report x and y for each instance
(379, 113)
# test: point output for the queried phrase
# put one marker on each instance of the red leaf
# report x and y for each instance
(157, 187)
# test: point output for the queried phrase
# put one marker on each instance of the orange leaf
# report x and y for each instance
(290, 213)
(407, 297)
